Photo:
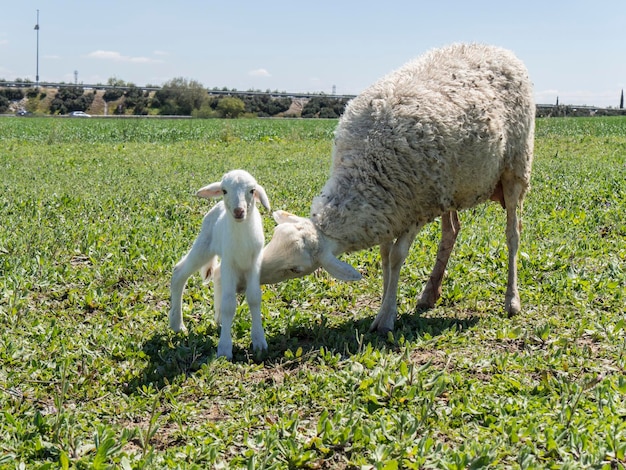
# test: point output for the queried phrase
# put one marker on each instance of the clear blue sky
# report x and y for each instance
(574, 49)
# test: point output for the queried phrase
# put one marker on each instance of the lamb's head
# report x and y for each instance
(298, 248)
(240, 191)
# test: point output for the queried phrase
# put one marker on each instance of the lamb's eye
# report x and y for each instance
(252, 191)
(224, 191)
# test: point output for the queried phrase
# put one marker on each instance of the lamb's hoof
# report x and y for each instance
(225, 352)
(259, 346)
(175, 318)
(178, 327)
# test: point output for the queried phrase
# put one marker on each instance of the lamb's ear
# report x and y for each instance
(338, 269)
(283, 217)
(210, 191)
(261, 196)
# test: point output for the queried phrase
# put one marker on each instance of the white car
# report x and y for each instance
(79, 114)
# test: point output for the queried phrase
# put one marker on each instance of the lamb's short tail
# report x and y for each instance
(208, 270)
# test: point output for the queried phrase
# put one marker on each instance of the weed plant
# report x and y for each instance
(95, 213)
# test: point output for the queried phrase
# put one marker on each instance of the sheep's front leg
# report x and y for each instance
(253, 296)
(450, 227)
(197, 257)
(393, 256)
(385, 249)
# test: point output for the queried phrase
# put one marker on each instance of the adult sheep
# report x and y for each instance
(443, 133)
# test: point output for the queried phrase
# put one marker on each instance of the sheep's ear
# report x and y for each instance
(261, 196)
(210, 191)
(338, 269)
(283, 217)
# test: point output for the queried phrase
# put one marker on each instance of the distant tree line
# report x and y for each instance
(183, 97)
(177, 97)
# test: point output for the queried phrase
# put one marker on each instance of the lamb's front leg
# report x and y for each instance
(253, 296)
(393, 256)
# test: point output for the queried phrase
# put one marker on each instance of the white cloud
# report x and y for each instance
(259, 73)
(4, 42)
(161, 53)
(117, 57)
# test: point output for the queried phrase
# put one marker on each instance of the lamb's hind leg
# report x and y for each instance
(513, 194)
(393, 256)
(197, 257)
(450, 227)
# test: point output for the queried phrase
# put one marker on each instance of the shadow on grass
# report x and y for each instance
(173, 355)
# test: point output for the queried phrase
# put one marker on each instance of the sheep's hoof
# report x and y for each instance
(428, 299)
(381, 330)
(384, 322)
(512, 305)
(423, 305)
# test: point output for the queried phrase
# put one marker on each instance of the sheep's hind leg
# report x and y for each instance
(393, 256)
(197, 257)
(513, 195)
(450, 227)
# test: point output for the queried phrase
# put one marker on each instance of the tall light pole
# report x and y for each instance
(37, 29)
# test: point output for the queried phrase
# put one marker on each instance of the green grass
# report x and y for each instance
(95, 213)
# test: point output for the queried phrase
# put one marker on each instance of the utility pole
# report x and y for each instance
(75, 77)
(37, 29)
(621, 100)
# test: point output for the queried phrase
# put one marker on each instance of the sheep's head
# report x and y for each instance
(240, 191)
(299, 248)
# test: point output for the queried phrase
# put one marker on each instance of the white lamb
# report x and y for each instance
(443, 133)
(232, 231)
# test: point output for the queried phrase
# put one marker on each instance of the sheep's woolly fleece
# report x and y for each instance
(433, 136)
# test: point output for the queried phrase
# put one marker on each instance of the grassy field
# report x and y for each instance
(95, 213)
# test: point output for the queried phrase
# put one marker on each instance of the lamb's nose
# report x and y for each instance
(239, 213)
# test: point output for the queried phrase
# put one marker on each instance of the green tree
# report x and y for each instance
(136, 99)
(112, 94)
(324, 107)
(230, 107)
(70, 99)
(180, 96)
(12, 94)
(4, 104)
(114, 81)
